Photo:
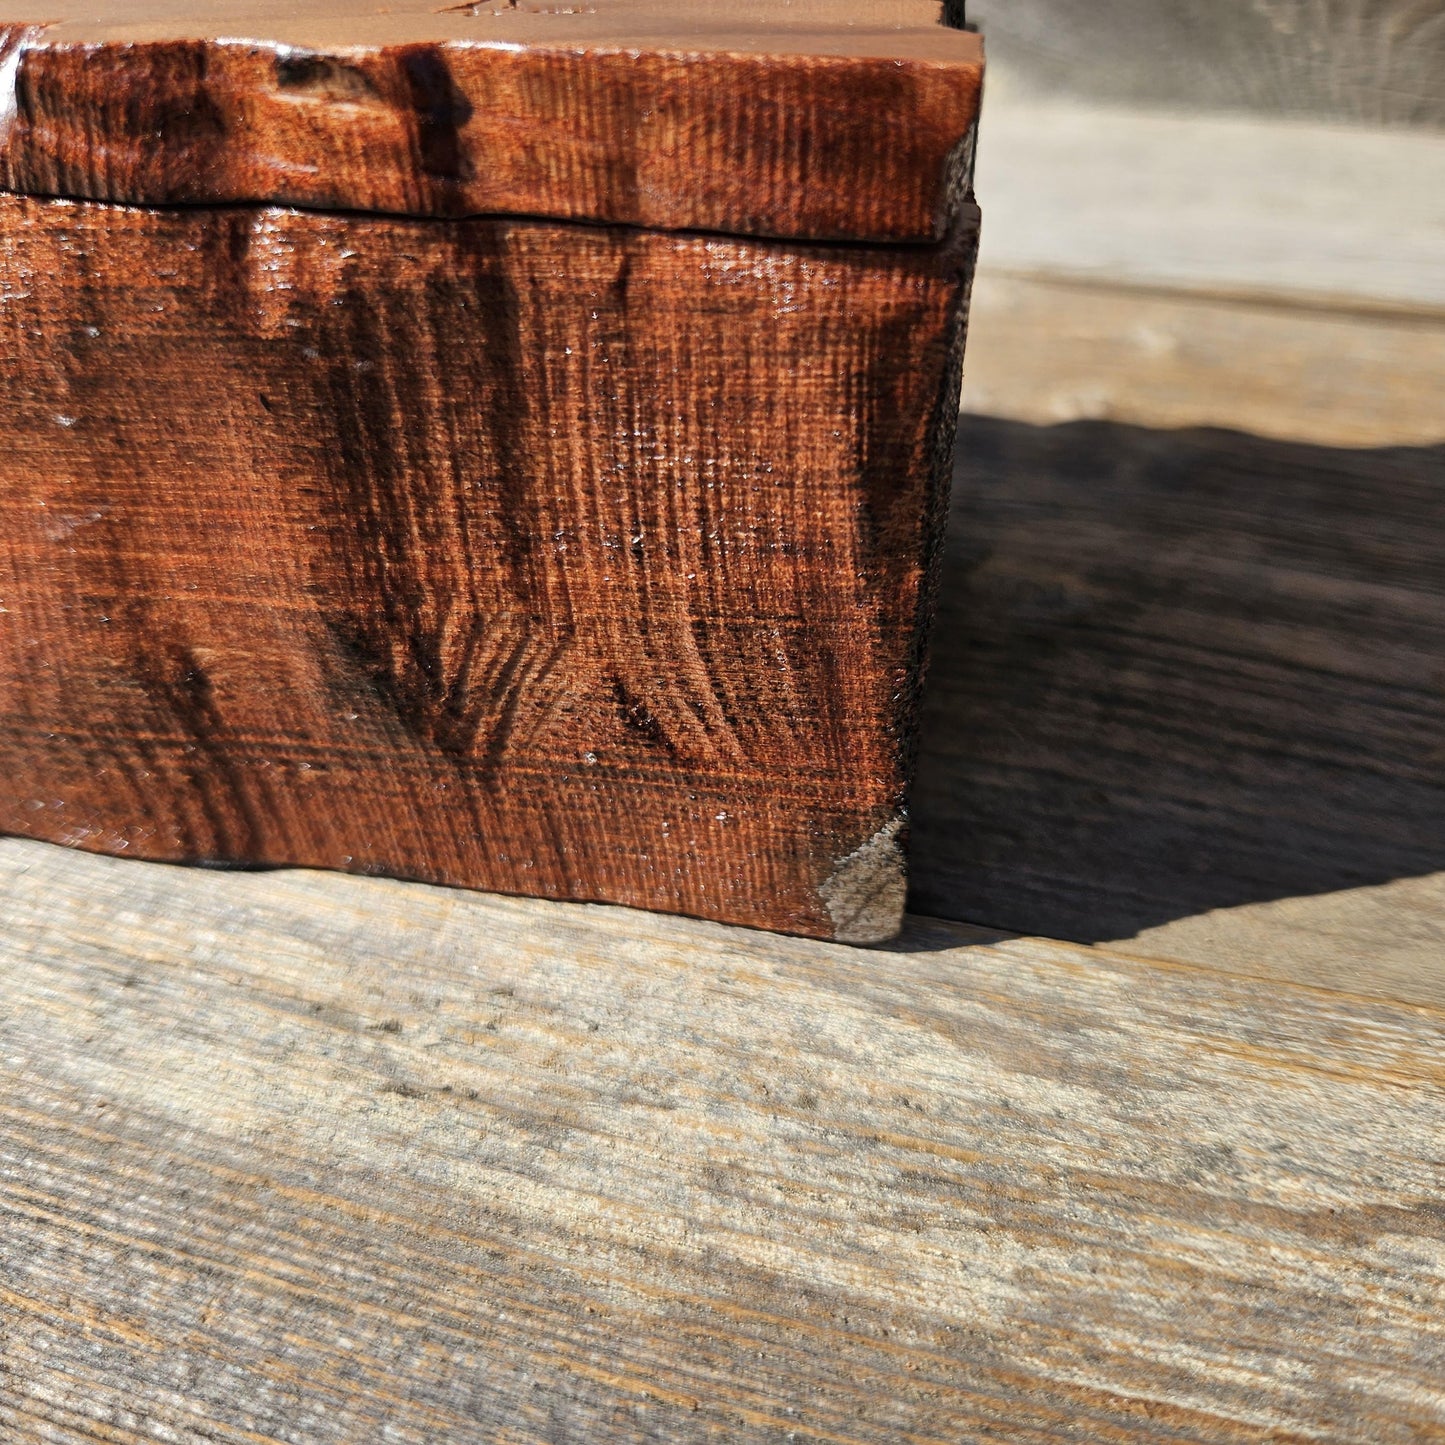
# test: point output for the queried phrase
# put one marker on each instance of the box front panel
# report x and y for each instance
(577, 561)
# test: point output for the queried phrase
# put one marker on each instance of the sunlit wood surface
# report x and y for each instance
(306, 1158)
(296, 1157)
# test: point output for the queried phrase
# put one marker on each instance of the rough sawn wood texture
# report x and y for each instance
(546, 558)
(818, 119)
(312, 1159)
(591, 561)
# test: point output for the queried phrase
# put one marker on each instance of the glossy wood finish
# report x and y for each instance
(551, 559)
(842, 120)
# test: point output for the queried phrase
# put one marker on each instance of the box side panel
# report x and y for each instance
(547, 559)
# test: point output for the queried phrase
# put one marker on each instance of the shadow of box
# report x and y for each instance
(1179, 671)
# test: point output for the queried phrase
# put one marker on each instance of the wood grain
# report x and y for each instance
(841, 120)
(1046, 349)
(1325, 869)
(1185, 695)
(1372, 61)
(1386, 940)
(1184, 672)
(1224, 205)
(552, 559)
(306, 1158)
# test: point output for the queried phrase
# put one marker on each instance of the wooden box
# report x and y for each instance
(503, 445)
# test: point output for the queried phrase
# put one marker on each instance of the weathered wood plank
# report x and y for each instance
(1186, 691)
(1180, 672)
(1377, 61)
(305, 1158)
(1219, 204)
(820, 120)
(1044, 349)
(1388, 939)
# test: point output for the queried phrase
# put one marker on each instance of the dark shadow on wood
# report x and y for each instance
(1179, 671)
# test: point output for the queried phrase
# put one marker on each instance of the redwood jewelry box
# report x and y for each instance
(503, 445)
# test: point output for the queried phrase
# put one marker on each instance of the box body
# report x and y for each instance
(585, 561)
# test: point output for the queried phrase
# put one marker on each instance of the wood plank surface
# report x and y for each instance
(575, 561)
(1186, 693)
(818, 119)
(1045, 349)
(1371, 61)
(1180, 673)
(1387, 939)
(297, 1157)
(1217, 204)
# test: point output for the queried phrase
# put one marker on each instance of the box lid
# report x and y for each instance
(808, 119)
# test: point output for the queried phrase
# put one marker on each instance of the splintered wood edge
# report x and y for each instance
(855, 131)
(866, 893)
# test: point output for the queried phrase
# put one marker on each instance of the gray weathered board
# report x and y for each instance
(304, 1158)
(1351, 60)
(1187, 693)
(1335, 217)
(1177, 672)
(1146, 356)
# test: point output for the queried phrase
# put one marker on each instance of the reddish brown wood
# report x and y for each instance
(559, 559)
(815, 119)
(569, 559)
